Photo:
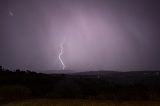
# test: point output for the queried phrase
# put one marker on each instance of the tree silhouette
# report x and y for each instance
(0, 68)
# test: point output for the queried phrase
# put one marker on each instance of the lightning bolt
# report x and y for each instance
(60, 55)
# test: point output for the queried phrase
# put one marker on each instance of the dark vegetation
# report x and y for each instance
(140, 85)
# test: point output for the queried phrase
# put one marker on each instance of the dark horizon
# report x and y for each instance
(75, 71)
(80, 35)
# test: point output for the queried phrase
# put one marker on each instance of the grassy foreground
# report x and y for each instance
(69, 102)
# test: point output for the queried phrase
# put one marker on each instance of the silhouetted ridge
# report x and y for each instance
(111, 85)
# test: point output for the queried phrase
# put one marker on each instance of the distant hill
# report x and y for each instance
(118, 73)
(102, 73)
(117, 76)
(112, 85)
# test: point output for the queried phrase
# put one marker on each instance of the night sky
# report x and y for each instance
(119, 35)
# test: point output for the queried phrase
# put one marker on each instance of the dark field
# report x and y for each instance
(76, 102)
(101, 88)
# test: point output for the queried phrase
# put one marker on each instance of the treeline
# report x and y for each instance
(18, 84)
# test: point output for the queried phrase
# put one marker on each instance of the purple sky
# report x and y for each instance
(96, 34)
